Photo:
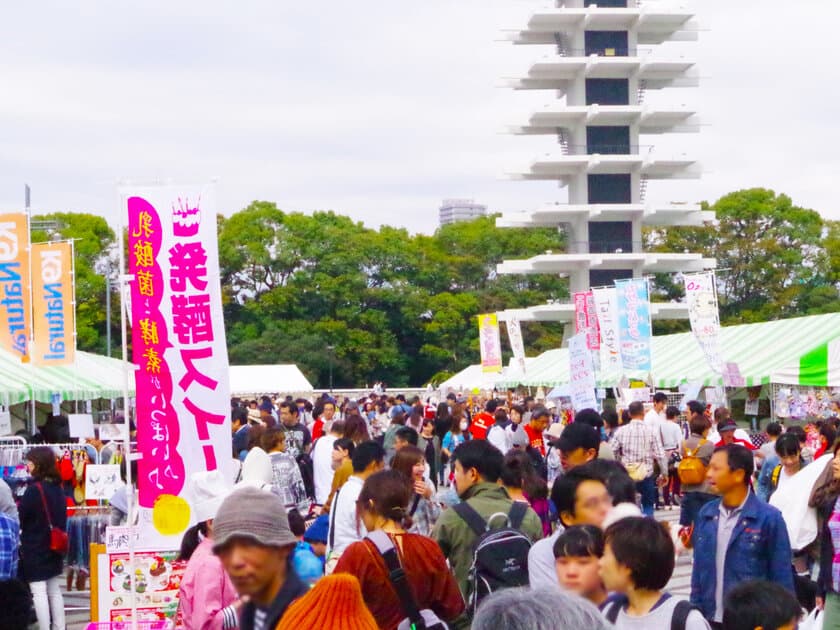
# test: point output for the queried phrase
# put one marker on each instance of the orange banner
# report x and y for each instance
(53, 297)
(14, 284)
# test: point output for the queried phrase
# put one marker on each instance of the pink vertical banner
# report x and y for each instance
(178, 338)
(586, 319)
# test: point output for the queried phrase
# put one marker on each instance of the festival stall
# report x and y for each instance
(474, 379)
(253, 380)
(792, 355)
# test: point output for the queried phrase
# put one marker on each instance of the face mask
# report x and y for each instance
(463, 426)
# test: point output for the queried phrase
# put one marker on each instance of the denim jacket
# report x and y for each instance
(758, 550)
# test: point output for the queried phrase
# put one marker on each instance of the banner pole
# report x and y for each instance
(124, 280)
(29, 314)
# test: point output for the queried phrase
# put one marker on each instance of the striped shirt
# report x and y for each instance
(638, 443)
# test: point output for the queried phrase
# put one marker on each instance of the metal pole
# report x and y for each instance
(124, 279)
(108, 314)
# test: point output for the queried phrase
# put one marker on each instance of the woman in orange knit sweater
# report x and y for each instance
(382, 505)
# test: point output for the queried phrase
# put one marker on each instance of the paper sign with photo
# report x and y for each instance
(102, 481)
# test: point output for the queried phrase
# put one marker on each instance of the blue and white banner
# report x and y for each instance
(634, 327)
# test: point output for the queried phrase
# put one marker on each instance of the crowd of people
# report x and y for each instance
(498, 513)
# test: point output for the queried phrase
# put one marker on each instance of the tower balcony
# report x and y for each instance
(565, 312)
(648, 120)
(653, 25)
(642, 263)
(555, 72)
(582, 160)
(557, 214)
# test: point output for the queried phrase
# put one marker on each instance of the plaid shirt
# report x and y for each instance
(636, 443)
(9, 545)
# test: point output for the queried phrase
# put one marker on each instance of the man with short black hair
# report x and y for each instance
(656, 414)
(760, 605)
(298, 438)
(477, 465)
(540, 417)
(637, 563)
(239, 428)
(578, 444)
(637, 446)
(345, 528)
(405, 436)
(737, 537)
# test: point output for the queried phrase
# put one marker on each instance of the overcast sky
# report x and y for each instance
(378, 109)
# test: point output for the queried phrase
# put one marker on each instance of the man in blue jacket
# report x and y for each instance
(737, 537)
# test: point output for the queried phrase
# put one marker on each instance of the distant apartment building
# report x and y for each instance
(452, 210)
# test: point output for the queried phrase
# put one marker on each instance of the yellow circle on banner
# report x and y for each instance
(170, 515)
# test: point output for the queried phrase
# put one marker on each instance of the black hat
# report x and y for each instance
(578, 435)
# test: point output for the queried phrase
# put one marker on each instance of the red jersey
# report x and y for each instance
(481, 422)
(317, 429)
(535, 437)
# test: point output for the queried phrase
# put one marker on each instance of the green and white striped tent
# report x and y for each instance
(801, 350)
(818, 368)
(90, 378)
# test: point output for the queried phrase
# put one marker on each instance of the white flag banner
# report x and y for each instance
(178, 341)
(581, 374)
(703, 314)
(606, 308)
(517, 346)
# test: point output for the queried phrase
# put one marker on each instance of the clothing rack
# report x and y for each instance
(85, 526)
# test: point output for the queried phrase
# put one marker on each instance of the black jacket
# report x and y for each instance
(292, 589)
(37, 562)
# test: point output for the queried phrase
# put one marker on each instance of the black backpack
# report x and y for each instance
(678, 619)
(500, 556)
(307, 473)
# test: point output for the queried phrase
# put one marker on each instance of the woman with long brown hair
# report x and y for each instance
(382, 506)
(422, 510)
(43, 504)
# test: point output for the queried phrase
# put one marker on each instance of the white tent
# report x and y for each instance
(267, 379)
(473, 377)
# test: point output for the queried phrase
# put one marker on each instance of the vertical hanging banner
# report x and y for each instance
(15, 302)
(586, 318)
(581, 374)
(701, 296)
(634, 326)
(606, 308)
(53, 304)
(490, 342)
(517, 346)
(178, 337)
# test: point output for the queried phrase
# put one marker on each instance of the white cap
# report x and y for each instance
(620, 511)
(209, 489)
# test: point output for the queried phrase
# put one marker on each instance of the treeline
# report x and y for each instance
(385, 305)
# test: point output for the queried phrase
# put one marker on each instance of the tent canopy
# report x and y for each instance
(473, 377)
(803, 350)
(818, 368)
(266, 379)
(91, 377)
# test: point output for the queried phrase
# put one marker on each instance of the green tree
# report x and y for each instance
(772, 256)
(393, 306)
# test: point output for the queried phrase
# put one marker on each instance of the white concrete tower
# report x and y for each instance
(607, 55)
